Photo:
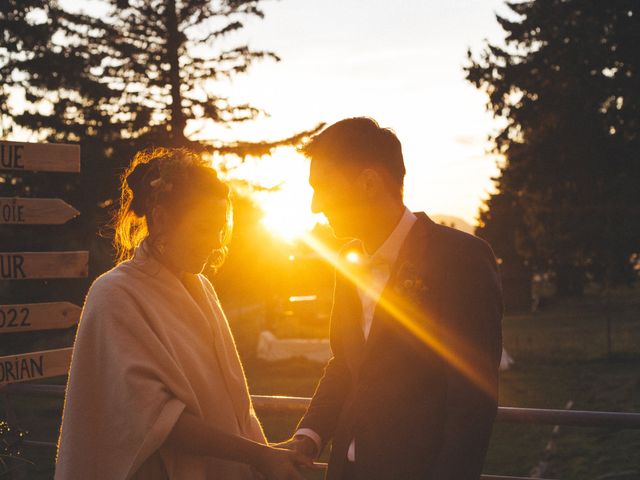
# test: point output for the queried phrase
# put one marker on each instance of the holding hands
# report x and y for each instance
(275, 463)
(301, 444)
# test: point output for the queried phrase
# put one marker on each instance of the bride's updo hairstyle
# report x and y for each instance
(167, 177)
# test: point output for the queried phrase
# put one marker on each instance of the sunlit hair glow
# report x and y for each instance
(354, 144)
(174, 179)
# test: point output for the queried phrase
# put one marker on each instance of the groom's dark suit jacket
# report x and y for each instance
(419, 396)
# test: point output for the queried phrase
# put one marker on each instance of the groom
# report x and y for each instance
(411, 390)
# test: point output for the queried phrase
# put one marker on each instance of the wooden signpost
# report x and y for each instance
(33, 265)
(29, 317)
(15, 157)
(39, 157)
(31, 366)
(35, 211)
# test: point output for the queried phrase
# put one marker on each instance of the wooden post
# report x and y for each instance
(39, 157)
(32, 366)
(33, 265)
(35, 211)
(30, 317)
(17, 157)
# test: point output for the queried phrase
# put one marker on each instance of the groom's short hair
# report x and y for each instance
(358, 143)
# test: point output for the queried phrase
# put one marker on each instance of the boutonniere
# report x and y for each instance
(410, 283)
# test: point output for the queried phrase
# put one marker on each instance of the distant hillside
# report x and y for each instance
(455, 222)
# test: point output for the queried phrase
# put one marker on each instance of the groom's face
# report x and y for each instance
(336, 196)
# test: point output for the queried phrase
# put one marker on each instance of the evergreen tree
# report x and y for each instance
(143, 69)
(566, 82)
(128, 75)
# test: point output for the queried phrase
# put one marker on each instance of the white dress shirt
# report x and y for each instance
(376, 272)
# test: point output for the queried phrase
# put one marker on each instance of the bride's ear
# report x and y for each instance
(158, 220)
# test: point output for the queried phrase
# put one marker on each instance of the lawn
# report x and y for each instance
(581, 454)
(560, 354)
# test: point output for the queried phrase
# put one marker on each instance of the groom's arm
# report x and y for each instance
(322, 415)
(474, 314)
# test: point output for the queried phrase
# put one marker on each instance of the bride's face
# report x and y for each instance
(193, 234)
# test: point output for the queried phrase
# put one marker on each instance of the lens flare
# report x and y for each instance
(280, 188)
(352, 257)
(446, 344)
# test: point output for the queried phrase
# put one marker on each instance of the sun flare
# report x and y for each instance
(281, 190)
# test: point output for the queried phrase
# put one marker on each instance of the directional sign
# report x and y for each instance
(31, 366)
(28, 317)
(28, 265)
(31, 211)
(47, 157)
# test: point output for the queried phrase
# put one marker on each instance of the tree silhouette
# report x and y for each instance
(129, 75)
(143, 69)
(566, 83)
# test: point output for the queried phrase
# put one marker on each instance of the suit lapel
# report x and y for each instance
(348, 314)
(411, 253)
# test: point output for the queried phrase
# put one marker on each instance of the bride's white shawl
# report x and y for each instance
(145, 351)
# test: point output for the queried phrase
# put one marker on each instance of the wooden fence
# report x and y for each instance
(269, 403)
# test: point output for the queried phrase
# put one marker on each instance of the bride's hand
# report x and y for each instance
(280, 464)
(300, 443)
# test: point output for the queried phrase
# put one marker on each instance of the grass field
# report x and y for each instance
(515, 449)
(560, 354)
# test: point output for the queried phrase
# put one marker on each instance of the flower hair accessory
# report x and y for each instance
(159, 182)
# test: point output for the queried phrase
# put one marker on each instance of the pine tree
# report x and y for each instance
(566, 83)
(144, 69)
(129, 75)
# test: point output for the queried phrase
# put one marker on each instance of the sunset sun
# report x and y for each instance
(281, 190)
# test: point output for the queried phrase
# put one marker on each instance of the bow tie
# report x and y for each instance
(361, 260)
(376, 263)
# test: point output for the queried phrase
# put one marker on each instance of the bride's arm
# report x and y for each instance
(191, 435)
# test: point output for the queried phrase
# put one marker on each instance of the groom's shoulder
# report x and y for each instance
(451, 242)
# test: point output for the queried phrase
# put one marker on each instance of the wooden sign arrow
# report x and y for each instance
(29, 317)
(31, 366)
(30, 265)
(35, 211)
(45, 157)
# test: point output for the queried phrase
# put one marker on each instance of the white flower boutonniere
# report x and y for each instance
(409, 283)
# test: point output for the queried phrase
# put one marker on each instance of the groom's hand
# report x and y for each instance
(301, 444)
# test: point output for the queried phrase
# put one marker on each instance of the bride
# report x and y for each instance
(156, 389)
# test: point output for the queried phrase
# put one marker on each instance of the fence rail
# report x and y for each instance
(572, 418)
(276, 403)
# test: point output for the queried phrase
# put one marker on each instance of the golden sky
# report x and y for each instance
(398, 62)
